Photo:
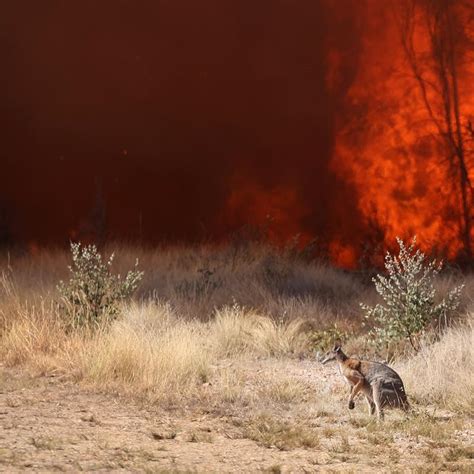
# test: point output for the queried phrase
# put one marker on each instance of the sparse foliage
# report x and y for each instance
(409, 294)
(93, 293)
(322, 339)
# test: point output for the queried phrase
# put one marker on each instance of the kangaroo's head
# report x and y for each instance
(334, 354)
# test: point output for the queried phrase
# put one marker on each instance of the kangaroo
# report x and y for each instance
(380, 384)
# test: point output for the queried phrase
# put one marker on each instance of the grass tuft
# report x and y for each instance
(282, 434)
(441, 373)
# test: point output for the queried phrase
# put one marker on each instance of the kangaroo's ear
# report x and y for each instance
(337, 345)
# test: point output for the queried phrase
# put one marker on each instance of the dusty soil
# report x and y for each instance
(51, 424)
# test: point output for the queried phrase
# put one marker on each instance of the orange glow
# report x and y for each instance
(342, 255)
(391, 151)
(186, 123)
(33, 248)
(277, 212)
(387, 148)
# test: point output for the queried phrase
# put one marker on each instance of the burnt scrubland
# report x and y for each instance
(207, 363)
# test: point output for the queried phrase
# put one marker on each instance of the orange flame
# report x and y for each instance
(277, 211)
(387, 148)
(391, 151)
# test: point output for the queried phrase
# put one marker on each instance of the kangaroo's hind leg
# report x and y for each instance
(370, 404)
(377, 398)
(368, 397)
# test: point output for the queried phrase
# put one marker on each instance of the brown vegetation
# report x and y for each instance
(220, 343)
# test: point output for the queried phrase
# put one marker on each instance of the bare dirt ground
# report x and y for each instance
(51, 424)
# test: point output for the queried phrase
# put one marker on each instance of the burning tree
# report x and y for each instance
(438, 41)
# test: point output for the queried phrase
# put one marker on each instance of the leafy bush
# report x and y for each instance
(93, 294)
(409, 298)
(321, 340)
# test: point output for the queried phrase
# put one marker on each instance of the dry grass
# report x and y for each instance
(201, 306)
(196, 280)
(459, 453)
(149, 350)
(237, 330)
(163, 357)
(282, 434)
(234, 384)
(283, 390)
(442, 372)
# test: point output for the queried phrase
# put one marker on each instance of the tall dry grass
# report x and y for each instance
(236, 330)
(149, 350)
(198, 307)
(196, 280)
(442, 373)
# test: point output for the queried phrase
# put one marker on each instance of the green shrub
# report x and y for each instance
(322, 340)
(92, 295)
(409, 298)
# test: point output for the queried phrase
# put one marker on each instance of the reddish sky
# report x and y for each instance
(168, 109)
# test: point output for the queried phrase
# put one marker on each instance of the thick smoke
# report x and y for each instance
(182, 120)
(165, 111)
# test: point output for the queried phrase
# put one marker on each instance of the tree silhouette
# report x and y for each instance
(448, 27)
